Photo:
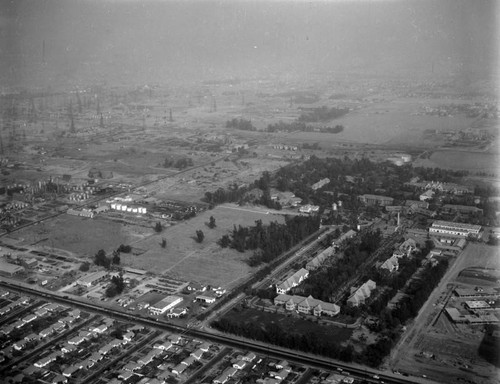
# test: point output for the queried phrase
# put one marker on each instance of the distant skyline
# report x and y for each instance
(134, 42)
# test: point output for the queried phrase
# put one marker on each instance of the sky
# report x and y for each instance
(154, 41)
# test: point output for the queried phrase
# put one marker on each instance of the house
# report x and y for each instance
(179, 369)
(239, 365)
(125, 375)
(100, 329)
(164, 346)
(208, 298)
(348, 235)
(359, 296)
(308, 208)
(175, 339)
(127, 338)
(391, 264)
(196, 287)
(68, 348)
(68, 372)
(317, 261)
(427, 195)
(293, 281)
(250, 356)
(197, 354)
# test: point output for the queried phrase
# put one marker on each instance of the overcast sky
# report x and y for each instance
(174, 41)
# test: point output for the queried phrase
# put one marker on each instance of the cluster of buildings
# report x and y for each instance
(438, 186)
(306, 305)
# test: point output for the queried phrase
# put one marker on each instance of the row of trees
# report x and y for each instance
(269, 241)
(180, 163)
(100, 258)
(241, 124)
(322, 114)
(274, 333)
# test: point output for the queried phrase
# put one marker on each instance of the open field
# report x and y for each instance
(454, 346)
(187, 259)
(76, 234)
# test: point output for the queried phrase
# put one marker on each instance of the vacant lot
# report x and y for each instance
(76, 234)
(204, 262)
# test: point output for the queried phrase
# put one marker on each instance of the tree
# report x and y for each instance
(200, 236)
(101, 259)
(124, 248)
(211, 223)
(158, 227)
(85, 266)
(116, 258)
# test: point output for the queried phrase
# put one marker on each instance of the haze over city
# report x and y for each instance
(240, 192)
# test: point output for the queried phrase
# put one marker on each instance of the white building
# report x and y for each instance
(454, 229)
(164, 305)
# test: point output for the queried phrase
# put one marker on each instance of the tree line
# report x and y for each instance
(269, 241)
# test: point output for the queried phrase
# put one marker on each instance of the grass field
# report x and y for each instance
(75, 234)
(186, 259)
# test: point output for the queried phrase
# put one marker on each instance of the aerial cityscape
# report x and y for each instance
(249, 191)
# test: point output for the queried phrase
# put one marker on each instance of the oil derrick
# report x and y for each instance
(43, 52)
(101, 122)
(243, 99)
(170, 118)
(70, 115)
(32, 112)
(1, 146)
(79, 102)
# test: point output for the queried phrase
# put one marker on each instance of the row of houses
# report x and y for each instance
(293, 281)
(81, 212)
(319, 259)
(307, 305)
(359, 296)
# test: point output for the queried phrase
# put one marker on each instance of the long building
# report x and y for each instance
(376, 200)
(93, 278)
(454, 229)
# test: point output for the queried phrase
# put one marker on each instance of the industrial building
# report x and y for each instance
(454, 229)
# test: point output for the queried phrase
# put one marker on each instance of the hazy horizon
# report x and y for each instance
(131, 42)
